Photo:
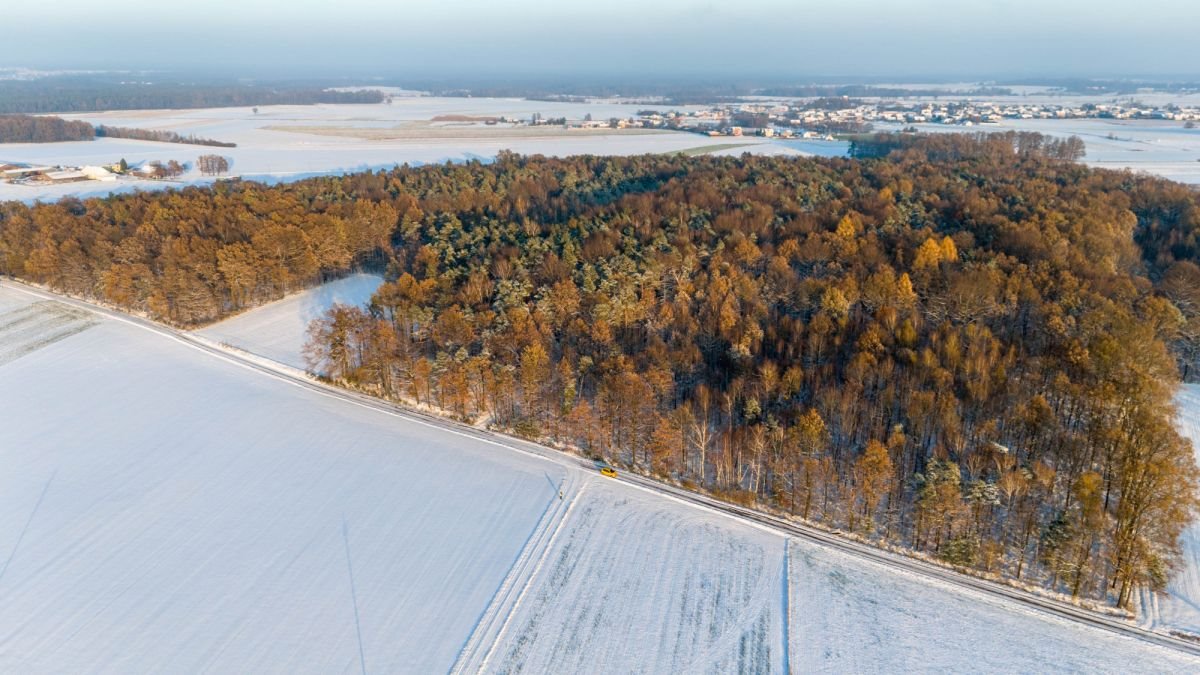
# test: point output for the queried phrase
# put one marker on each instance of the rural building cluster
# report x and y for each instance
(821, 118)
(25, 174)
(814, 118)
(32, 174)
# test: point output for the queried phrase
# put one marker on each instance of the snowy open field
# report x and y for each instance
(163, 509)
(1179, 608)
(853, 616)
(291, 142)
(278, 330)
(633, 585)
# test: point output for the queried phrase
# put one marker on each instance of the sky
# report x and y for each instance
(763, 39)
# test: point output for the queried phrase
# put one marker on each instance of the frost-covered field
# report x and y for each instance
(634, 584)
(277, 331)
(852, 616)
(1179, 608)
(164, 509)
(273, 154)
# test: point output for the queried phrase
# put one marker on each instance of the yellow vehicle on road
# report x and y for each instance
(608, 471)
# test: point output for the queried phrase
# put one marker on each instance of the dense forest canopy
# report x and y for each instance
(33, 129)
(957, 146)
(968, 348)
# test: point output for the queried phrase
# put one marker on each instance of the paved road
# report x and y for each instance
(742, 514)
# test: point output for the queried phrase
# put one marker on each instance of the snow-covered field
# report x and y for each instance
(273, 154)
(164, 509)
(25, 328)
(277, 330)
(852, 616)
(633, 584)
(1179, 608)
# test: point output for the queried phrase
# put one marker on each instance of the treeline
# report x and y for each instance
(879, 91)
(966, 355)
(49, 129)
(31, 129)
(685, 92)
(942, 147)
(162, 136)
(51, 95)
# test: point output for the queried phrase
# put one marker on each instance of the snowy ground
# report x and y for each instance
(266, 152)
(634, 584)
(852, 616)
(163, 509)
(277, 330)
(1179, 608)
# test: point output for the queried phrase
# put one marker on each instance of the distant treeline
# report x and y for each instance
(49, 129)
(667, 93)
(859, 90)
(1109, 87)
(158, 135)
(687, 94)
(27, 129)
(80, 95)
(952, 147)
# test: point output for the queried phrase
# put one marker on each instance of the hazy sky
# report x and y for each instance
(656, 38)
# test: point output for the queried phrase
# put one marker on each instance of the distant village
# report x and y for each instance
(821, 118)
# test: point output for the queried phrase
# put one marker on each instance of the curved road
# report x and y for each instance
(789, 528)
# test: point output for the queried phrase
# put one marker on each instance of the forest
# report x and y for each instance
(159, 135)
(30, 129)
(50, 129)
(967, 347)
(65, 94)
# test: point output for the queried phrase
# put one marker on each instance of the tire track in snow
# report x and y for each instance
(21, 537)
(362, 660)
(495, 619)
(29, 328)
(738, 627)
